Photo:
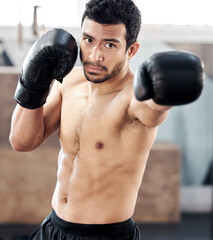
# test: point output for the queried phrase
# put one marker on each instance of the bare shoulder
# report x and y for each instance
(76, 76)
(126, 93)
(77, 72)
(74, 79)
(148, 113)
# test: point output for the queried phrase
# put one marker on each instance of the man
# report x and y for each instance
(105, 132)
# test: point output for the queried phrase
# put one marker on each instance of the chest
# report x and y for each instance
(92, 123)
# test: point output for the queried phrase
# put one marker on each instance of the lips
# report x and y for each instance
(93, 69)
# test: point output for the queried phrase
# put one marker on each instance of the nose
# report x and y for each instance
(96, 55)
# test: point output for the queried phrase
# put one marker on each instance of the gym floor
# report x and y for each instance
(192, 227)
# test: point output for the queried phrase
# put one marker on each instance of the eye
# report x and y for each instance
(110, 45)
(88, 40)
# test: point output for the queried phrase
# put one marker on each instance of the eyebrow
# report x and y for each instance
(87, 35)
(105, 39)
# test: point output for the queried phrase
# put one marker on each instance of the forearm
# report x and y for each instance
(31, 125)
(154, 106)
(27, 129)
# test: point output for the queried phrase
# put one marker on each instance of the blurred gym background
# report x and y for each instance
(177, 203)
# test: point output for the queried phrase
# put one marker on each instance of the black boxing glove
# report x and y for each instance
(170, 78)
(52, 56)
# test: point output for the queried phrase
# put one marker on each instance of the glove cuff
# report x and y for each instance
(28, 98)
(142, 83)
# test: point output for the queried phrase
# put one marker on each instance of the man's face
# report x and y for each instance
(103, 50)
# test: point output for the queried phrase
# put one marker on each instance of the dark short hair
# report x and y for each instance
(116, 12)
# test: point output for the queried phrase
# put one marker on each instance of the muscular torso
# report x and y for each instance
(103, 154)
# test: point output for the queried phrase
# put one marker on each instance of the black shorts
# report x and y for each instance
(55, 228)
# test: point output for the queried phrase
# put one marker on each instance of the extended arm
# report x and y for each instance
(166, 79)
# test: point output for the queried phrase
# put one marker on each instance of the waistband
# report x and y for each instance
(111, 230)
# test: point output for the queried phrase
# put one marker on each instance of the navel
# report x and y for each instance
(99, 145)
(65, 199)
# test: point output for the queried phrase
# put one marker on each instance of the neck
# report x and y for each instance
(114, 84)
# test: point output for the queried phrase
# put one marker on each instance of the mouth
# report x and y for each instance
(94, 69)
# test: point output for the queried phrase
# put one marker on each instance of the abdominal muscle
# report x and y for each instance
(91, 192)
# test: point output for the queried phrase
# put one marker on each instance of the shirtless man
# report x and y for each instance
(105, 133)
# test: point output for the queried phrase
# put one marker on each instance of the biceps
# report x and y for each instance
(52, 112)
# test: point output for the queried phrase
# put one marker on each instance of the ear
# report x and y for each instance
(133, 50)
